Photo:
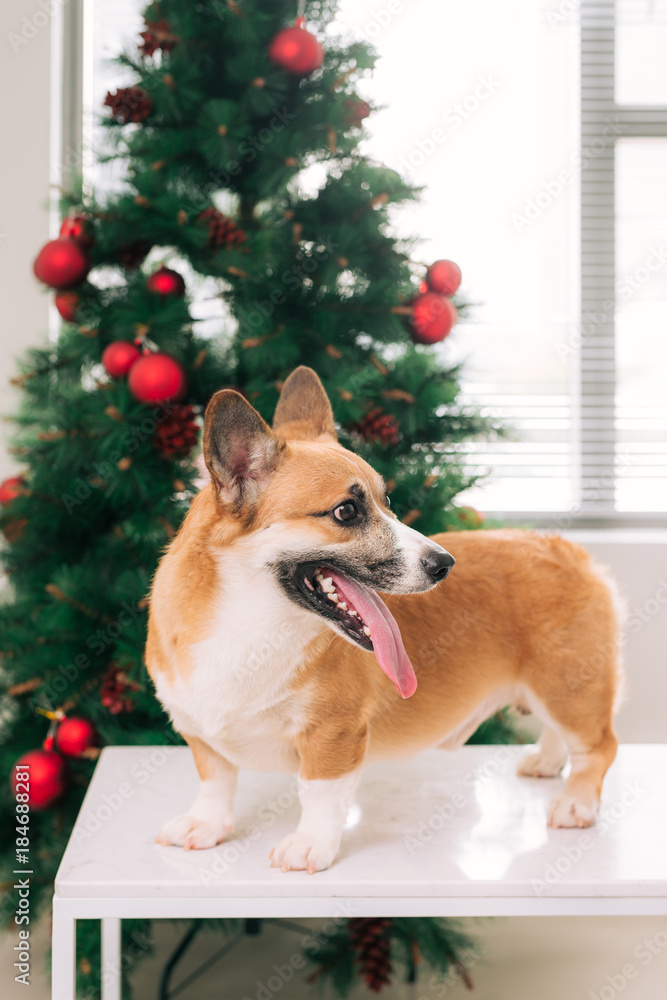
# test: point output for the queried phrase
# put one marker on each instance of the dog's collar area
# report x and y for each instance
(316, 583)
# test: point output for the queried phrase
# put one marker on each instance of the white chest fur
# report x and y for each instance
(236, 693)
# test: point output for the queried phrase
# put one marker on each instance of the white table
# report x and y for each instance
(445, 834)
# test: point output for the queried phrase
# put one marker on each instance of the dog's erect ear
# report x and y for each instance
(240, 449)
(304, 412)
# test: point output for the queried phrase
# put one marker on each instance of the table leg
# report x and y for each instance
(63, 945)
(111, 970)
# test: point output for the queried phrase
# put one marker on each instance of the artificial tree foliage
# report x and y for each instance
(240, 173)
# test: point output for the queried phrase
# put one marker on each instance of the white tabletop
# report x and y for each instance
(440, 826)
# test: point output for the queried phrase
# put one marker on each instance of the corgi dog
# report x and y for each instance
(271, 648)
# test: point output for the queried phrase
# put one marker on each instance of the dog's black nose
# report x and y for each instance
(438, 564)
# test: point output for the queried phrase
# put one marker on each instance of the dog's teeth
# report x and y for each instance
(333, 597)
(319, 577)
(367, 631)
(342, 605)
(353, 613)
(327, 585)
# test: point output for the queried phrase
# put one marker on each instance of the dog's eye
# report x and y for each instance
(346, 511)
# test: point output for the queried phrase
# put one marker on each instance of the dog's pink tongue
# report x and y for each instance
(387, 641)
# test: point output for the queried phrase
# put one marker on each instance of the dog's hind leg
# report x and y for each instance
(581, 728)
(590, 756)
(571, 676)
(591, 748)
(548, 758)
(211, 816)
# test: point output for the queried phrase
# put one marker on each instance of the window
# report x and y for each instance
(624, 276)
(641, 322)
(482, 109)
(539, 131)
(544, 181)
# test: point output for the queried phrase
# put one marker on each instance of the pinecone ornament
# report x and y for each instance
(132, 254)
(222, 231)
(158, 35)
(369, 939)
(114, 690)
(378, 426)
(129, 104)
(177, 435)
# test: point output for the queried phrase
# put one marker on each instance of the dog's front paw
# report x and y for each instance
(192, 833)
(567, 811)
(304, 852)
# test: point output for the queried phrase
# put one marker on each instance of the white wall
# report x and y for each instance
(25, 64)
(638, 560)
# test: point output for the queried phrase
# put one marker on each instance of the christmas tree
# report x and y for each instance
(241, 138)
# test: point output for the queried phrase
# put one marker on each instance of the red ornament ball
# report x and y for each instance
(74, 735)
(45, 774)
(432, 318)
(62, 263)
(119, 357)
(157, 378)
(296, 51)
(67, 304)
(10, 489)
(77, 227)
(166, 282)
(444, 276)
